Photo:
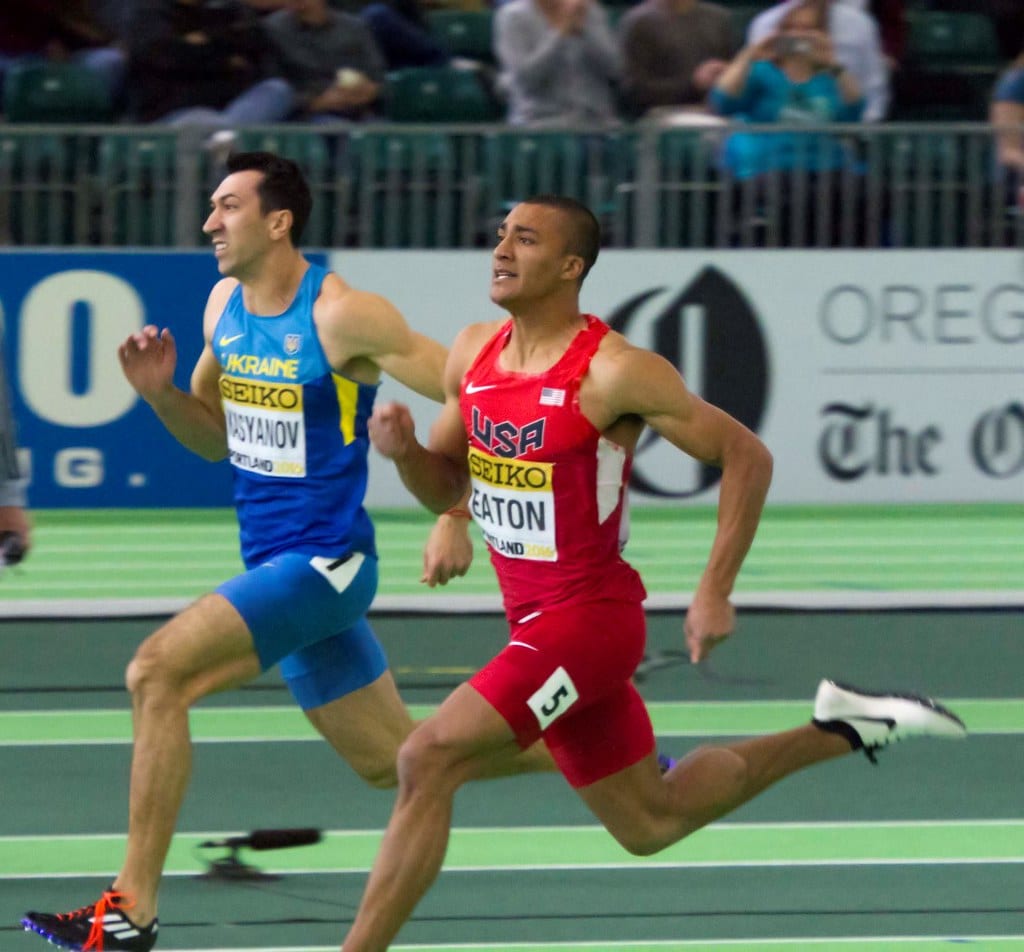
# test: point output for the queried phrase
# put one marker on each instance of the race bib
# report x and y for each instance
(265, 425)
(513, 502)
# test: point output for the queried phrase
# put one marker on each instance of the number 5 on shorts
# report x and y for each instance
(554, 697)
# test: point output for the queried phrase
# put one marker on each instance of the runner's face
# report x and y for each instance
(530, 258)
(236, 224)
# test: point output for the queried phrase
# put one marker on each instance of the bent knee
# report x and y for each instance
(156, 672)
(379, 774)
(644, 839)
(425, 759)
(146, 669)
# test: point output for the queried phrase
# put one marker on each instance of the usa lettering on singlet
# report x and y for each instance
(265, 426)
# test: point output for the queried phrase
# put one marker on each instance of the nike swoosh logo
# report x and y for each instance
(224, 341)
(473, 388)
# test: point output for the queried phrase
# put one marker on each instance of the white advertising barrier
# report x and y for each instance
(872, 376)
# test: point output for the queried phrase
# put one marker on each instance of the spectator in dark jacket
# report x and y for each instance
(202, 62)
(60, 31)
(330, 59)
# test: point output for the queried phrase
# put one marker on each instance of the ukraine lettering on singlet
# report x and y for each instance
(296, 431)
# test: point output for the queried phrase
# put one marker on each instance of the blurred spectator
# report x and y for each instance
(112, 15)
(673, 51)
(61, 31)
(201, 62)
(893, 30)
(857, 42)
(400, 29)
(330, 59)
(559, 61)
(790, 77)
(1007, 112)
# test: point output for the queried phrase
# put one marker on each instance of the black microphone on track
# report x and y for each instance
(267, 839)
(230, 867)
(12, 548)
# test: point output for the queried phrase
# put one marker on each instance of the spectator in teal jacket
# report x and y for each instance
(790, 77)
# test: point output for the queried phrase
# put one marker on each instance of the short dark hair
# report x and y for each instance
(584, 228)
(283, 186)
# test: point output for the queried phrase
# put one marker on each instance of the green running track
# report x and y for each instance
(923, 852)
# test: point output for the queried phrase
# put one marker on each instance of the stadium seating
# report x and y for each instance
(940, 39)
(951, 64)
(439, 94)
(55, 92)
(464, 33)
(310, 151)
(136, 176)
(404, 190)
(43, 198)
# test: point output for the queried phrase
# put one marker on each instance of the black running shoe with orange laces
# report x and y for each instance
(100, 927)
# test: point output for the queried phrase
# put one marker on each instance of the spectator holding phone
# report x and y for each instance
(856, 40)
(790, 77)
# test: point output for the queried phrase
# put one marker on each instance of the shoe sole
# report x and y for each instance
(29, 926)
(943, 723)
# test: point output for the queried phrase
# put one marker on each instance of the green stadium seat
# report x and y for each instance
(523, 163)
(951, 64)
(55, 93)
(465, 33)
(597, 168)
(308, 148)
(41, 197)
(404, 190)
(136, 176)
(690, 190)
(940, 38)
(439, 94)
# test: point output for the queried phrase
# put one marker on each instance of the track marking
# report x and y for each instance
(809, 944)
(255, 724)
(914, 843)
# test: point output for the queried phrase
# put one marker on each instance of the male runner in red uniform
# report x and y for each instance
(543, 414)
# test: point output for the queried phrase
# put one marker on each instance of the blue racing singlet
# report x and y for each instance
(296, 432)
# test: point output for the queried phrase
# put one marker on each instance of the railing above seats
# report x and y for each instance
(910, 185)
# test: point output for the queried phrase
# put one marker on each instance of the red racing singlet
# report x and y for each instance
(548, 489)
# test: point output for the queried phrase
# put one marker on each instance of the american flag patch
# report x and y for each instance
(552, 397)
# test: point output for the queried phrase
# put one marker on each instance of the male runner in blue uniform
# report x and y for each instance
(283, 387)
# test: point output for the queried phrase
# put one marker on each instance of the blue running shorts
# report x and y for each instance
(308, 613)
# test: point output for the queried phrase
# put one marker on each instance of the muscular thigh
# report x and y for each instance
(205, 648)
(565, 675)
(293, 601)
(366, 726)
